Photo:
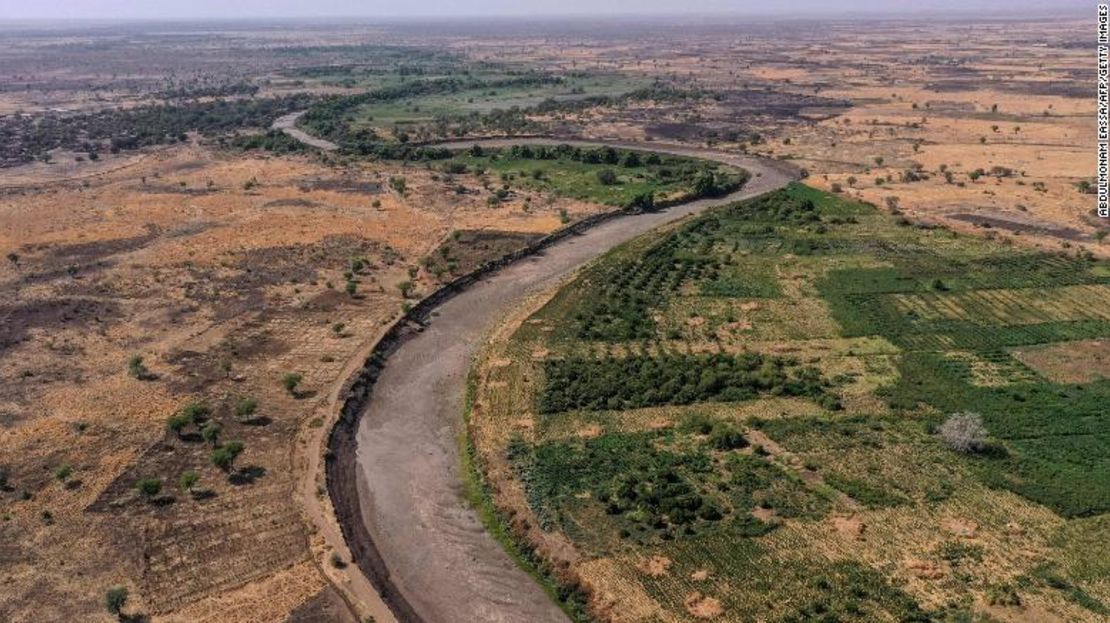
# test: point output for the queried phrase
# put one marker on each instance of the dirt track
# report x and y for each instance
(431, 556)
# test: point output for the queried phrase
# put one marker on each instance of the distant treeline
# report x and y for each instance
(25, 138)
(655, 93)
(274, 141)
(198, 91)
(330, 118)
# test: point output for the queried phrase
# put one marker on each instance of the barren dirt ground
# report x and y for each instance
(437, 552)
(224, 272)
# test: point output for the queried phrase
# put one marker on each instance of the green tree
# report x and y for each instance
(178, 422)
(705, 184)
(188, 480)
(290, 382)
(211, 433)
(196, 411)
(224, 456)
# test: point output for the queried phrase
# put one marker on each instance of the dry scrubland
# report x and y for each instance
(854, 103)
(224, 272)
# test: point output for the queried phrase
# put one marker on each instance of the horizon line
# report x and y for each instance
(914, 14)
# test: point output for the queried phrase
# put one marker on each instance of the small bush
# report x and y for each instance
(114, 599)
(149, 487)
(291, 380)
(196, 411)
(188, 480)
(245, 408)
(137, 369)
(727, 438)
(63, 472)
(1003, 595)
(178, 422)
(964, 432)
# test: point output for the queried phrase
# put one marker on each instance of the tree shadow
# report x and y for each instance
(162, 500)
(201, 495)
(246, 475)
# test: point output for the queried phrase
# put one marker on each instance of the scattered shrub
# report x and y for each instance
(149, 487)
(115, 599)
(245, 408)
(290, 382)
(1003, 595)
(188, 480)
(178, 422)
(224, 456)
(137, 369)
(211, 432)
(63, 472)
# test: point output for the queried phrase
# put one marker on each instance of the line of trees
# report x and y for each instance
(634, 382)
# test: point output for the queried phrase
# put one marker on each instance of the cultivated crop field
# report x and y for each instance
(749, 415)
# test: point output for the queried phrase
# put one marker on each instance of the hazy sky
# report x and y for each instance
(202, 9)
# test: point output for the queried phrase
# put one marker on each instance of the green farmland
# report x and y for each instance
(800, 408)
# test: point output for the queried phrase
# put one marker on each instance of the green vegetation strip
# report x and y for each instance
(477, 494)
(635, 382)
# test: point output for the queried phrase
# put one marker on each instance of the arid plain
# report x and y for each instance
(211, 285)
